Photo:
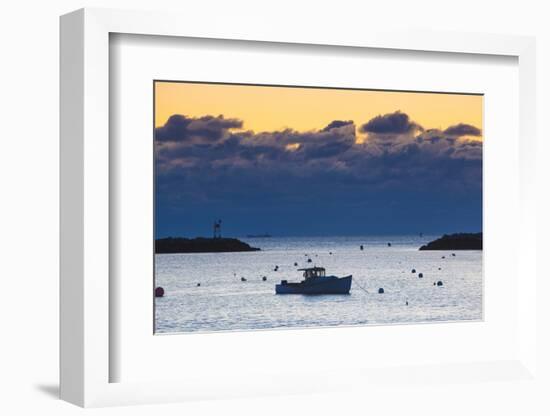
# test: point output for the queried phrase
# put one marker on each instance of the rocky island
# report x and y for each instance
(461, 241)
(201, 245)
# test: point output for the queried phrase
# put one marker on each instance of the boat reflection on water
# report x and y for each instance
(315, 282)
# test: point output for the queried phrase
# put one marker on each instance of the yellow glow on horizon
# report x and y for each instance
(292, 146)
(304, 109)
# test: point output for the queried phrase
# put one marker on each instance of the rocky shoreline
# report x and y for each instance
(201, 245)
(460, 241)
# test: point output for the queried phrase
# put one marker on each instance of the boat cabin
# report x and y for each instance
(312, 272)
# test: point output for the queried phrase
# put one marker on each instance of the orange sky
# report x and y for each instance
(274, 108)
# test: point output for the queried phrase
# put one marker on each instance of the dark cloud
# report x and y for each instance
(180, 128)
(394, 123)
(210, 162)
(462, 130)
(187, 143)
(337, 124)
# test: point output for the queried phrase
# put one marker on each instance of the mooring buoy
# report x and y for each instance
(159, 292)
(413, 271)
(440, 283)
(381, 290)
(420, 274)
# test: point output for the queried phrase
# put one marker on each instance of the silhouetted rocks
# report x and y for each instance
(462, 241)
(201, 245)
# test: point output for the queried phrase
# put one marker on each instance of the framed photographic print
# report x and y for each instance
(331, 194)
(263, 214)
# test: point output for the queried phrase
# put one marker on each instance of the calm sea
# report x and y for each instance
(224, 302)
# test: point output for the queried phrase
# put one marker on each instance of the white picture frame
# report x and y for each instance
(86, 355)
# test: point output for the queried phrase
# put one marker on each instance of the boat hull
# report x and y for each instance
(333, 286)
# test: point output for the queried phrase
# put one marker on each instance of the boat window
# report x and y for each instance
(309, 273)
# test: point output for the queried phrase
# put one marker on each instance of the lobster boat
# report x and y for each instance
(315, 282)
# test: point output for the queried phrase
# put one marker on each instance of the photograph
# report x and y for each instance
(293, 207)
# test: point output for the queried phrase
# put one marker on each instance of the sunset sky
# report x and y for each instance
(310, 161)
(274, 108)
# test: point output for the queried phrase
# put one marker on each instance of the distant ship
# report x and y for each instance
(266, 235)
(316, 282)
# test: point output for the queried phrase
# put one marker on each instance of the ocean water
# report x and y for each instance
(223, 302)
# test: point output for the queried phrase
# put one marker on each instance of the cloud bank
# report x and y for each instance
(212, 163)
